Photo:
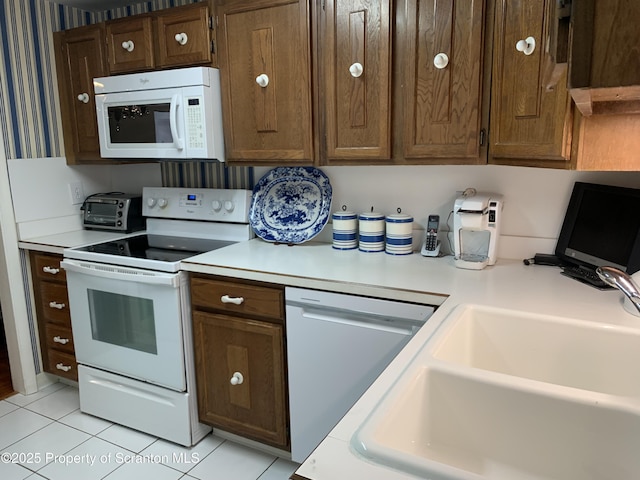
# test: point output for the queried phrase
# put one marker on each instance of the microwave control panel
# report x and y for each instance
(195, 122)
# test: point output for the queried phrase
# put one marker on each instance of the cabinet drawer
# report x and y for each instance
(59, 338)
(55, 303)
(47, 267)
(250, 300)
(63, 364)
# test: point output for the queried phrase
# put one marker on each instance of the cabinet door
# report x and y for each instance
(355, 46)
(240, 376)
(441, 65)
(266, 85)
(183, 36)
(530, 120)
(79, 58)
(130, 44)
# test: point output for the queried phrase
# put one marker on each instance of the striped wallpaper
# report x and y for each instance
(29, 102)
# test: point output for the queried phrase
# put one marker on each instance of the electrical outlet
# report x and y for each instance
(76, 193)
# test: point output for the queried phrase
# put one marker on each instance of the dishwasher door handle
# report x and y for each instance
(362, 320)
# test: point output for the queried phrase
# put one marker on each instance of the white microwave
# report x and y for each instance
(171, 114)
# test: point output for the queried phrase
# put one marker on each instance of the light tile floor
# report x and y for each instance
(45, 436)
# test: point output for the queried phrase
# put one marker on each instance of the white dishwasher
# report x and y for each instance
(337, 345)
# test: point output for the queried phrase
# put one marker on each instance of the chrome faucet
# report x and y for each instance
(622, 281)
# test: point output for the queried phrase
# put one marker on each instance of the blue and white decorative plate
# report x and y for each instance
(290, 204)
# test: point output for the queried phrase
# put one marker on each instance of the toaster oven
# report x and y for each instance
(114, 211)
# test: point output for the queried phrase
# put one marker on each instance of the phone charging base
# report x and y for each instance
(430, 253)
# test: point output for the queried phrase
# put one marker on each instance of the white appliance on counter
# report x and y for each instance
(130, 311)
(337, 345)
(171, 114)
(477, 218)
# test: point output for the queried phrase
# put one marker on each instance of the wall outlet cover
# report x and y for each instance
(76, 193)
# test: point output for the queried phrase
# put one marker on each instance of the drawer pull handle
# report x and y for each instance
(128, 45)
(234, 300)
(83, 97)
(57, 305)
(60, 340)
(181, 38)
(63, 367)
(51, 270)
(236, 379)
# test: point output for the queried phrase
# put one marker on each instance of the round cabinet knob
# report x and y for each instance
(181, 38)
(84, 97)
(128, 45)
(151, 202)
(441, 60)
(162, 202)
(262, 80)
(216, 205)
(236, 379)
(356, 70)
(229, 206)
(526, 46)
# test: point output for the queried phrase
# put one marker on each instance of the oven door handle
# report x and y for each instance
(115, 272)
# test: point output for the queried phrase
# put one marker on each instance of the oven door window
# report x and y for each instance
(148, 123)
(123, 320)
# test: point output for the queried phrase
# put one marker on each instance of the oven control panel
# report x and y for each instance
(209, 204)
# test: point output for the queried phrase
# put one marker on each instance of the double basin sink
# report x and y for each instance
(500, 394)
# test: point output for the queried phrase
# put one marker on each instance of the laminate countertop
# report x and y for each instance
(509, 284)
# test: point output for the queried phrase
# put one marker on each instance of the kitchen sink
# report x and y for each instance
(447, 425)
(573, 353)
(507, 395)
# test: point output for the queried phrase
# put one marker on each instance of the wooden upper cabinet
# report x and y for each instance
(531, 119)
(264, 59)
(440, 65)
(80, 56)
(184, 36)
(355, 47)
(178, 36)
(130, 44)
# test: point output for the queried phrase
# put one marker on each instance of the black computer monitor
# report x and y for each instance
(601, 227)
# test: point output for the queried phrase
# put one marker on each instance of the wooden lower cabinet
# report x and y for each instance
(53, 314)
(240, 364)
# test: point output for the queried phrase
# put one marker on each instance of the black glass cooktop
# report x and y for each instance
(156, 247)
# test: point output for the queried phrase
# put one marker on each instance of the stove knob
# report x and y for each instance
(229, 206)
(216, 205)
(151, 202)
(162, 202)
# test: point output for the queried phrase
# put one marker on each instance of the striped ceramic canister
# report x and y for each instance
(399, 234)
(371, 232)
(345, 230)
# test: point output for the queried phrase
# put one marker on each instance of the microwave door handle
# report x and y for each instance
(173, 122)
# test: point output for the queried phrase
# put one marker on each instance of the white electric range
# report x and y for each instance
(130, 310)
